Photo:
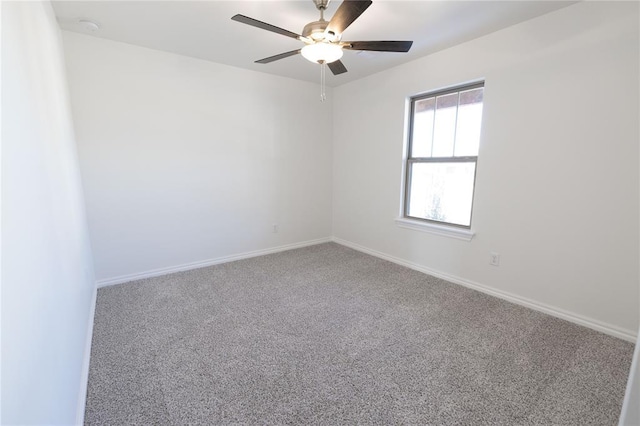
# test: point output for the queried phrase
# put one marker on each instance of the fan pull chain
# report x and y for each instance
(323, 95)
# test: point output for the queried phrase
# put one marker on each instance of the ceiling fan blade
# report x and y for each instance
(337, 67)
(264, 26)
(348, 12)
(276, 57)
(379, 46)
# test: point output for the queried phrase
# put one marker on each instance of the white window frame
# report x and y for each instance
(447, 229)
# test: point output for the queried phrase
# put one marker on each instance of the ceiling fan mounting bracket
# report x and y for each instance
(321, 4)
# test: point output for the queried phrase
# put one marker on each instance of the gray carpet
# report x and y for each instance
(328, 335)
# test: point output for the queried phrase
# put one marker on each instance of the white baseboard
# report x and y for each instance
(609, 329)
(606, 328)
(84, 374)
(204, 263)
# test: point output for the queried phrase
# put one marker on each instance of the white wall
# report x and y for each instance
(630, 415)
(47, 274)
(557, 179)
(185, 160)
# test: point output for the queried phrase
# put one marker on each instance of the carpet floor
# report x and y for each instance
(329, 335)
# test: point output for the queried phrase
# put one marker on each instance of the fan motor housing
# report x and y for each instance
(316, 31)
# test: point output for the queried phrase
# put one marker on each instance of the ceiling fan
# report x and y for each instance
(323, 39)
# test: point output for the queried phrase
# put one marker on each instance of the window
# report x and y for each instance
(444, 137)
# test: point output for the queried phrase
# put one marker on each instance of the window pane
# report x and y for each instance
(423, 127)
(469, 122)
(442, 192)
(445, 125)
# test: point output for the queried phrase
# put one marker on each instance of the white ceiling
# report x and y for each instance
(204, 29)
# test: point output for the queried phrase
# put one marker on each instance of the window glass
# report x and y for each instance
(422, 137)
(469, 122)
(442, 192)
(445, 125)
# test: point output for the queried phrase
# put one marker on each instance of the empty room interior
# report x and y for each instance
(320, 212)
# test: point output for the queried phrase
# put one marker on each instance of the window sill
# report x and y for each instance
(432, 228)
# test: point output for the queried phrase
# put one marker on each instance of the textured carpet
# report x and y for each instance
(328, 335)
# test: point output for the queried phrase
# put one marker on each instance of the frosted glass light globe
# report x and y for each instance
(321, 51)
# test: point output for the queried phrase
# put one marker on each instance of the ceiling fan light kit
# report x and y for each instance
(322, 52)
(322, 38)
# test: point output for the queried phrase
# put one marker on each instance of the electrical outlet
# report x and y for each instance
(494, 259)
(275, 228)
